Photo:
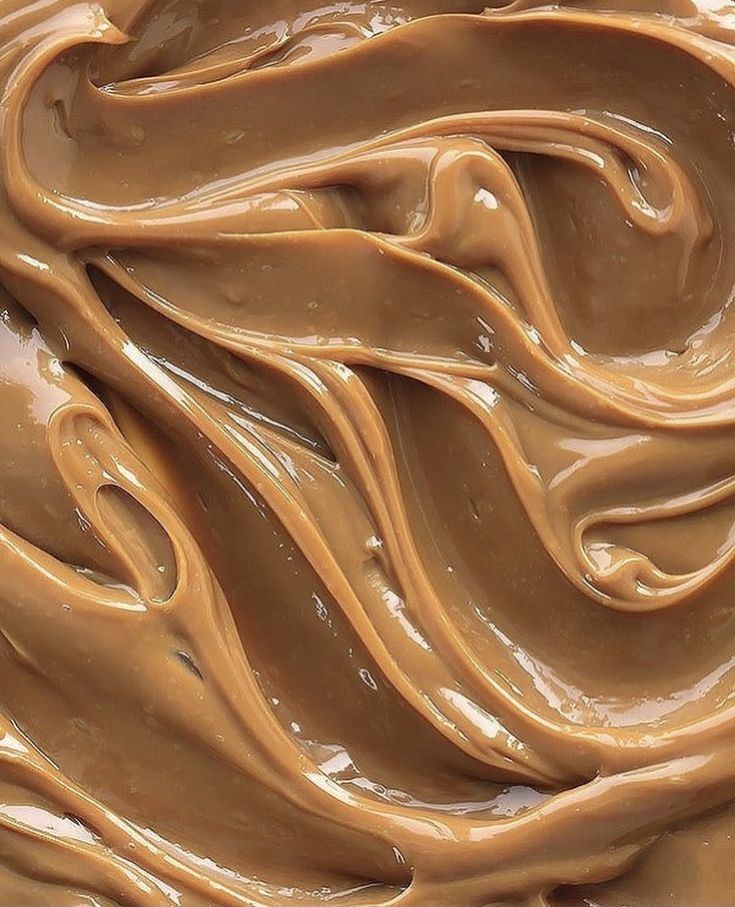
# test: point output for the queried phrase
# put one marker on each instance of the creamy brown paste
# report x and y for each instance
(367, 453)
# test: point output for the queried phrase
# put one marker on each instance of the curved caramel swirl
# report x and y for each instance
(367, 487)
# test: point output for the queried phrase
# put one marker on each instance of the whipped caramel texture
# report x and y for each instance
(367, 453)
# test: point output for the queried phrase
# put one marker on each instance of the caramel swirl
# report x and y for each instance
(367, 453)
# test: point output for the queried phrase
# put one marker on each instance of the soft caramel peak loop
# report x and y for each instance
(367, 453)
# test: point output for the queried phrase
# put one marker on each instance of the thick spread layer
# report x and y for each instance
(367, 453)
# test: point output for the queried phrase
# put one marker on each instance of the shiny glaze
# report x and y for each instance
(367, 453)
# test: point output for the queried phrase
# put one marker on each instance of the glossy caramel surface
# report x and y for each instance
(367, 453)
